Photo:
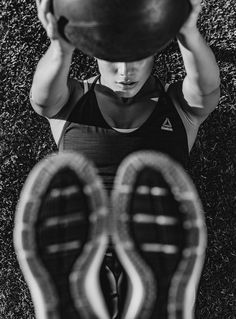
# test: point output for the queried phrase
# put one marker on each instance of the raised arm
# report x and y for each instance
(49, 91)
(201, 84)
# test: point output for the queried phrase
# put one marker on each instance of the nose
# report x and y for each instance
(124, 69)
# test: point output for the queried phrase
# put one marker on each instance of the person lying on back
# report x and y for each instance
(125, 108)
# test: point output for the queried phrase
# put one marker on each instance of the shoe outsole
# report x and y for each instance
(143, 294)
(43, 288)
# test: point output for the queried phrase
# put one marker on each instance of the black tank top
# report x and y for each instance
(87, 131)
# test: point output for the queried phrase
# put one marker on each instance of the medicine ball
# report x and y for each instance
(120, 30)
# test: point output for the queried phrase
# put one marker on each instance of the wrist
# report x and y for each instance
(61, 50)
(188, 34)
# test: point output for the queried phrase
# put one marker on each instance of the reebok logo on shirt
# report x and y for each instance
(167, 126)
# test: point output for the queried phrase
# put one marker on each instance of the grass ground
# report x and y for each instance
(25, 139)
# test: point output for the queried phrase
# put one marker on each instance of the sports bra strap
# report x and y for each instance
(167, 86)
(86, 86)
(95, 81)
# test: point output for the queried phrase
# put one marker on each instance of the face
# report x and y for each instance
(125, 78)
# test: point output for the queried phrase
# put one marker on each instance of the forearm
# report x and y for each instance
(202, 71)
(49, 85)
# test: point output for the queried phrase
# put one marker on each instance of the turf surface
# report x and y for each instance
(25, 139)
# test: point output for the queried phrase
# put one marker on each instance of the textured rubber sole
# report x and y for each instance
(159, 236)
(60, 237)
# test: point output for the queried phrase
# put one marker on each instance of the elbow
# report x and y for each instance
(209, 88)
(36, 105)
(40, 109)
(213, 87)
(212, 91)
(204, 89)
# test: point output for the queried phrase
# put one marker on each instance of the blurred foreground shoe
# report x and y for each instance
(60, 237)
(159, 236)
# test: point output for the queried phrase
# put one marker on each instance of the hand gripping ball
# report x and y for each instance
(120, 30)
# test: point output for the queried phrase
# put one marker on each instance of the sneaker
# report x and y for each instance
(159, 236)
(60, 237)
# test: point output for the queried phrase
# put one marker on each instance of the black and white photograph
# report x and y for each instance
(118, 159)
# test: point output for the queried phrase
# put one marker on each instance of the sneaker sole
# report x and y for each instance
(60, 237)
(171, 266)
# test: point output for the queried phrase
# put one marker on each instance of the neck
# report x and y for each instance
(126, 112)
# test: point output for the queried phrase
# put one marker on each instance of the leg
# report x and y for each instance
(60, 237)
(159, 236)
